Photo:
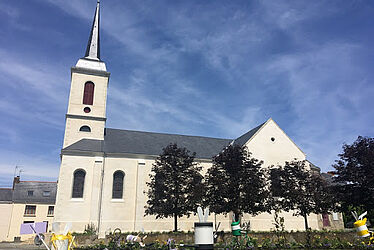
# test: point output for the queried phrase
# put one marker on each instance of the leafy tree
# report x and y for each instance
(297, 188)
(175, 186)
(236, 183)
(354, 175)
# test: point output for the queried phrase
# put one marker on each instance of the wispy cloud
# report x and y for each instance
(32, 167)
(197, 67)
(329, 108)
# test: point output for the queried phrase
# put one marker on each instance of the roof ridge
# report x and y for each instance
(159, 133)
(241, 140)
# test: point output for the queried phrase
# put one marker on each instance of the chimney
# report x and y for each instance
(16, 180)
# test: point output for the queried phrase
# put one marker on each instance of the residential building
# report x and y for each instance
(26, 202)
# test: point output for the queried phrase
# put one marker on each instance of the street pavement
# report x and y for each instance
(5, 246)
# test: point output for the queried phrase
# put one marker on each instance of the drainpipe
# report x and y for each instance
(136, 194)
(101, 196)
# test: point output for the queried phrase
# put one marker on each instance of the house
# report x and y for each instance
(25, 202)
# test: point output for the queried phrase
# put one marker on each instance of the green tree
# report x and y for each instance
(297, 188)
(354, 176)
(236, 183)
(175, 187)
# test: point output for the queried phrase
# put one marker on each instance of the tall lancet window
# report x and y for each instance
(78, 183)
(117, 192)
(88, 94)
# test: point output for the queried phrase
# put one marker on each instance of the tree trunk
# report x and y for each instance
(306, 221)
(236, 216)
(175, 222)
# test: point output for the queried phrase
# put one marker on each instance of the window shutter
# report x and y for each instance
(88, 93)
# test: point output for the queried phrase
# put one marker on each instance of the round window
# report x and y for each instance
(87, 110)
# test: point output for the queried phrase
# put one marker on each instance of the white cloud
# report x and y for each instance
(329, 107)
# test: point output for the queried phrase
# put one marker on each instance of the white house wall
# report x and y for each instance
(128, 213)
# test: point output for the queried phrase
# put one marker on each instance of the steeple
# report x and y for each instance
(91, 59)
(93, 46)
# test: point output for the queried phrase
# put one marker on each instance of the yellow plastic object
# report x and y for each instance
(361, 228)
(68, 236)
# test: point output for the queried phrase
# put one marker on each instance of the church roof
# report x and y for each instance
(148, 143)
(245, 137)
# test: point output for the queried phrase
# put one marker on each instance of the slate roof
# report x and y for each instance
(20, 192)
(148, 143)
(244, 138)
(5, 195)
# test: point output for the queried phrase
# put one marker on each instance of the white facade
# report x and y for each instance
(97, 206)
(269, 144)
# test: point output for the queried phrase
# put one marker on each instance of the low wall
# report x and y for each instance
(188, 237)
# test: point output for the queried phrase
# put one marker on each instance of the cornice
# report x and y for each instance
(86, 117)
(90, 71)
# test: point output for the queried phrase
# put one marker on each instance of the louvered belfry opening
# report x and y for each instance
(88, 94)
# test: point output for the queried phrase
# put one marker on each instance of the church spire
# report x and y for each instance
(93, 46)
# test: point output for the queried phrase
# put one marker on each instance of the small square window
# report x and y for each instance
(30, 193)
(46, 193)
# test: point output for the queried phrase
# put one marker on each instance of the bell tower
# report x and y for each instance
(86, 113)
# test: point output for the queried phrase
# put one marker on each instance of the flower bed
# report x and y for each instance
(252, 240)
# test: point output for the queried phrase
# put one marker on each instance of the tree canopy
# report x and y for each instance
(297, 188)
(236, 183)
(354, 174)
(175, 187)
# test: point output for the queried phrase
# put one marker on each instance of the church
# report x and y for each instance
(104, 171)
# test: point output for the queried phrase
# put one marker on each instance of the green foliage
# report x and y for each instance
(175, 188)
(236, 182)
(90, 229)
(318, 240)
(279, 229)
(355, 176)
(295, 187)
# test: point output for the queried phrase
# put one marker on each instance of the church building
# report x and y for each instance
(104, 171)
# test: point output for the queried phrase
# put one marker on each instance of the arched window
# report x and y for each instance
(85, 129)
(78, 183)
(88, 94)
(117, 192)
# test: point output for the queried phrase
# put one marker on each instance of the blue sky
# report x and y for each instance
(211, 68)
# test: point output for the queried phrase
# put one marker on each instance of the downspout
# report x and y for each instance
(101, 196)
(10, 220)
(136, 194)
